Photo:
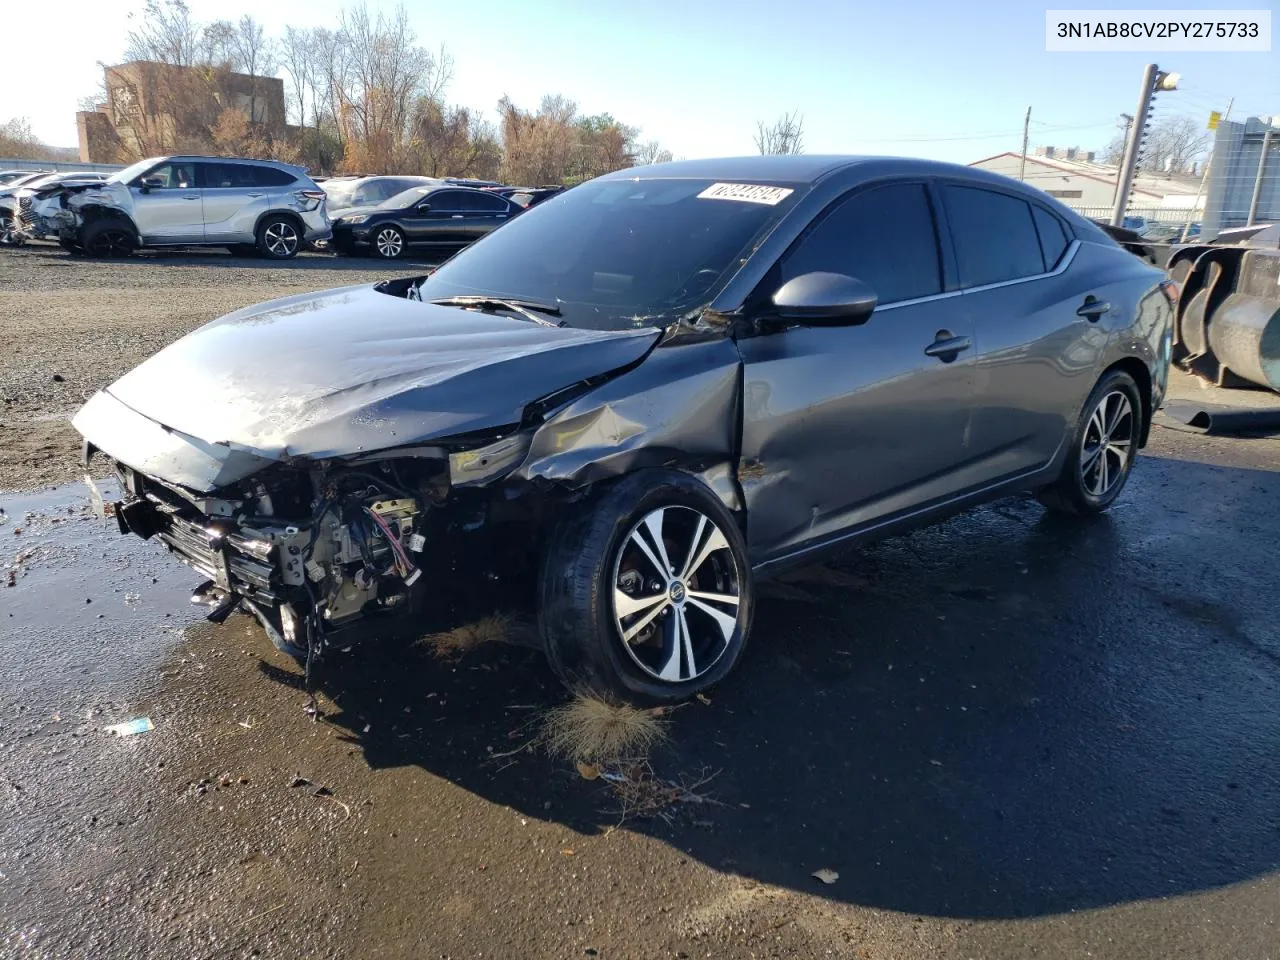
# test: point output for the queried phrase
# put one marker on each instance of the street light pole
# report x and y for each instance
(1153, 79)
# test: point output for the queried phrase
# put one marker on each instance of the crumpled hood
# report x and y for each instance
(356, 370)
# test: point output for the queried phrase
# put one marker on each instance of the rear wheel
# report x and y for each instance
(279, 238)
(646, 596)
(1102, 451)
(109, 239)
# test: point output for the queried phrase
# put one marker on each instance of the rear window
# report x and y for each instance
(1053, 236)
(995, 236)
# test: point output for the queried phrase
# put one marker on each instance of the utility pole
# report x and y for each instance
(1153, 79)
(1026, 134)
(1262, 167)
(1128, 125)
(1204, 179)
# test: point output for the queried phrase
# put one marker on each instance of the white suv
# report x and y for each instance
(273, 208)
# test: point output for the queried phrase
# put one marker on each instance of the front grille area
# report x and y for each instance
(221, 557)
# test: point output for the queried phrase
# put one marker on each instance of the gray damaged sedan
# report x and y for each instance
(636, 401)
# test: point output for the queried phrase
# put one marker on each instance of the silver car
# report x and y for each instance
(247, 205)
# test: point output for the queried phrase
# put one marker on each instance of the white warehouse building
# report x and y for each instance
(1075, 178)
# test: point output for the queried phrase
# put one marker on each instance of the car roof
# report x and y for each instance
(804, 168)
(256, 162)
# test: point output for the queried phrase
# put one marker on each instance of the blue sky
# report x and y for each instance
(913, 77)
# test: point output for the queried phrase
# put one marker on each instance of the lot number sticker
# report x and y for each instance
(746, 193)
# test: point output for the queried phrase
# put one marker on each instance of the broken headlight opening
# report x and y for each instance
(315, 553)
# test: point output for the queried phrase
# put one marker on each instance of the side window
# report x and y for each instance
(220, 176)
(447, 201)
(269, 177)
(466, 202)
(884, 236)
(994, 234)
(173, 176)
(1053, 236)
(489, 203)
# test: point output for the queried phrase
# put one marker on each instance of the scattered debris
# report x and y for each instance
(130, 727)
(643, 794)
(315, 789)
(589, 729)
(588, 771)
(826, 876)
(245, 724)
(704, 699)
(494, 628)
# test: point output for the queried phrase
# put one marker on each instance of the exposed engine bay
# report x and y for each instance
(313, 553)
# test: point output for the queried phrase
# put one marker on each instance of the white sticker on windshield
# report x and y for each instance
(746, 193)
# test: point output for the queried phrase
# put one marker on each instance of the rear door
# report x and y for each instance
(482, 212)
(171, 209)
(1037, 357)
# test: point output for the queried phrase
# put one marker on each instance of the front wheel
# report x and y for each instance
(1103, 449)
(646, 595)
(109, 239)
(279, 238)
(8, 230)
(389, 243)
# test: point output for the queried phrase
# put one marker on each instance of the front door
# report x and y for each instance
(169, 207)
(439, 219)
(843, 426)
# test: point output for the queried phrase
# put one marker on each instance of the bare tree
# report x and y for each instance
(1172, 143)
(164, 33)
(299, 63)
(254, 53)
(17, 141)
(651, 152)
(785, 136)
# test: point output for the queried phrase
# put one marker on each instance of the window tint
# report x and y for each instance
(173, 176)
(271, 177)
(452, 201)
(489, 203)
(1053, 236)
(994, 235)
(883, 236)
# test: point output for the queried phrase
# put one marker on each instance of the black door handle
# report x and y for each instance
(947, 347)
(1093, 308)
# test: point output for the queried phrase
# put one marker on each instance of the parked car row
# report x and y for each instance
(265, 207)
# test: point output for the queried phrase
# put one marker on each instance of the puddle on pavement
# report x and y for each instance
(88, 608)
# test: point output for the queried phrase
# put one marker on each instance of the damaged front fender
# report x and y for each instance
(679, 408)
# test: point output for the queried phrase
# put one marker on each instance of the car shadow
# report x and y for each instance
(1004, 716)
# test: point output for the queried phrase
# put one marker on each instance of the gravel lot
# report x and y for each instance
(73, 325)
(1008, 737)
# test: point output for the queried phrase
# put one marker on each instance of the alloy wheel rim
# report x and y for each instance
(281, 239)
(676, 594)
(389, 243)
(6, 229)
(112, 243)
(1107, 444)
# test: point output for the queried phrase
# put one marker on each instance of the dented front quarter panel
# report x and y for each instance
(677, 408)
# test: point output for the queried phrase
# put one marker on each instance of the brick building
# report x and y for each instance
(157, 108)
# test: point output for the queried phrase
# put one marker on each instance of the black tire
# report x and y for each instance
(109, 238)
(7, 229)
(1103, 448)
(71, 247)
(388, 243)
(279, 237)
(593, 557)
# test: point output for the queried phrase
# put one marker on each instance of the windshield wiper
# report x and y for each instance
(524, 308)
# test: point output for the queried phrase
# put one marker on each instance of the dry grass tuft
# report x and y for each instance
(591, 730)
(494, 628)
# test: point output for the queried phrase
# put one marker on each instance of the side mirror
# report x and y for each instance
(825, 300)
(424, 206)
(147, 184)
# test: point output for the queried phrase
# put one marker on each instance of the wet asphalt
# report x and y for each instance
(1010, 736)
